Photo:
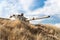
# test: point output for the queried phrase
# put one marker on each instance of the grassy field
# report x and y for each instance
(18, 30)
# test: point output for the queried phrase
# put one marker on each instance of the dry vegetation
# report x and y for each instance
(18, 30)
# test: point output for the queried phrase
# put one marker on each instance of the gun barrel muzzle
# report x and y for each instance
(48, 16)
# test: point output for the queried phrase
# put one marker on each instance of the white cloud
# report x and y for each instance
(7, 8)
(26, 4)
(14, 6)
(1, 6)
(51, 7)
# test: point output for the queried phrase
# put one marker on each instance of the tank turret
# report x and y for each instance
(19, 16)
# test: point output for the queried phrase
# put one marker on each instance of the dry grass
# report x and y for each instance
(18, 30)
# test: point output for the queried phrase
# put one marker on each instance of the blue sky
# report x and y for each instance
(32, 8)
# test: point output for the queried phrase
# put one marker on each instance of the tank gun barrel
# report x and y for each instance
(39, 18)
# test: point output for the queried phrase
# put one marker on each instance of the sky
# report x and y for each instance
(32, 8)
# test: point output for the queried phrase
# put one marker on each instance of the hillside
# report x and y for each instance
(19, 30)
